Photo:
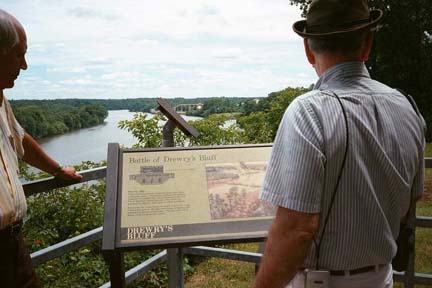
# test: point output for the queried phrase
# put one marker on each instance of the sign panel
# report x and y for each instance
(186, 195)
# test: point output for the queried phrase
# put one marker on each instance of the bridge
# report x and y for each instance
(184, 108)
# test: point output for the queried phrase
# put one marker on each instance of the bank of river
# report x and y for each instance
(90, 143)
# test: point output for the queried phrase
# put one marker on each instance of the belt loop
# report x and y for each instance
(377, 268)
(347, 273)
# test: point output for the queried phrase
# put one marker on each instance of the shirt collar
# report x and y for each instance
(341, 71)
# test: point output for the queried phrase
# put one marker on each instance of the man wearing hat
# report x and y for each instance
(344, 162)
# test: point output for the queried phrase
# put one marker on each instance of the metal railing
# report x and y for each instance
(409, 278)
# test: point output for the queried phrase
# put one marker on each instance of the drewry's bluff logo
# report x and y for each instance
(148, 232)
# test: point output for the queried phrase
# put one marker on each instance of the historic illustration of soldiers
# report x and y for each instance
(234, 188)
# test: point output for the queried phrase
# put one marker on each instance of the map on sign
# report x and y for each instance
(179, 195)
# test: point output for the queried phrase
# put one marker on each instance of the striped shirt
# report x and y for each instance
(384, 162)
(13, 205)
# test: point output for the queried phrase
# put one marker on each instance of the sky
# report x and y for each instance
(115, 49)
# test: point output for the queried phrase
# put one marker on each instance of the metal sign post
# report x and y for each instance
(175, 255)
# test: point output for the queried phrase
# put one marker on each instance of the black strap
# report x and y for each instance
(326, 219)
(410, 100)
(414, 106)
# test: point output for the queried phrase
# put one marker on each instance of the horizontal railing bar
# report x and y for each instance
(57, 250)
(419, 278)
(142, 268)
(43, 185)
(398, 276)
(223, 253)
(422, 221)
(423, 279)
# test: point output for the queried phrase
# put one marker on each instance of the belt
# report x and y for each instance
(11, 230)
(356, 271)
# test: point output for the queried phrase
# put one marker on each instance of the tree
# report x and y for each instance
(52, 117)
(213, 131)
(261, 126)
(147, 131)
(402, 54)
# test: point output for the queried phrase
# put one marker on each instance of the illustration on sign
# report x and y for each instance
(151, 175)
(234, 190)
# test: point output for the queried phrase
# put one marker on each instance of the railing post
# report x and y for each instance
(175, 267)
(116, 268)
(261, 248)
(174, 255)
(410, 273)
(168, 134)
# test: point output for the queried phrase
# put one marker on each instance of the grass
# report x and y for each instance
(220, 273)
(429, 150)
(423, 235)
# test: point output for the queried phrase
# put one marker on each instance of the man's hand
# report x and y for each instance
(289, 240)
(68, 173)
(36, 156)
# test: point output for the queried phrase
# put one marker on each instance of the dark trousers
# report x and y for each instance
(16, 268)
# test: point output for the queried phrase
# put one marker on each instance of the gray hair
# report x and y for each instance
(8, 33)
(346, 44)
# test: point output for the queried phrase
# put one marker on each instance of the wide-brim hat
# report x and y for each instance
(332, 18)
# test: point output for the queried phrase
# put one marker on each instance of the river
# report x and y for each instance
(90, 143)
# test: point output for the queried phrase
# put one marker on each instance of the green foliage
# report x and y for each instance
(61, 214)
(219, 105)
(402, 54)
(279, 102)
(216, 130)
(145, 129)
(220, 129)
(213, 130)
(231, 104)
(254, 105)
(25, 173)
(67, 212)
(46, 118)
(429, 150)
(257, 127)
(261, 126)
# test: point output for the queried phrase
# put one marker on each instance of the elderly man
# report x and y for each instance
(345, 159)
(16, 269)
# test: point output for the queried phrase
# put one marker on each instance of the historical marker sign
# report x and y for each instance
(176, 196)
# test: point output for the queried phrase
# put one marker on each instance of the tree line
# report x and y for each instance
(46, 118)
(42, 118)
(211, 104)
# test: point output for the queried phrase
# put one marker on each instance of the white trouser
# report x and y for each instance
(383, 278)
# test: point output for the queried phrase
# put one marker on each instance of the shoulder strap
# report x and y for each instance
(414, 106)
(410, 100)
(327, 215)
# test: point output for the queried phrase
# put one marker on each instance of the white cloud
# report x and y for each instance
(230, 53)
(86, 12)
(77, 69)
(188, 48)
